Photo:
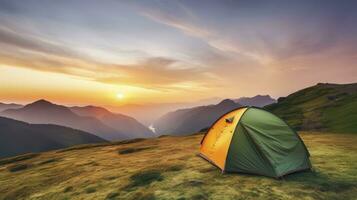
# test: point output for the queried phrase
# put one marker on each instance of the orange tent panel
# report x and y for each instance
(217, 141)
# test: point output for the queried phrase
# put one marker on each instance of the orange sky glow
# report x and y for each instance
(171, 51)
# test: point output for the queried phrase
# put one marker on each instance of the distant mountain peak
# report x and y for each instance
(41, 107)
(92, 119)
(96, 108)
(226, 102)
(191, 120)
(257, 100)
(5, 106)
(259, 95)
(90, 110)
(41, 102)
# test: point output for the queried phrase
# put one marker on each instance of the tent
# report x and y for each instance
(255, 141)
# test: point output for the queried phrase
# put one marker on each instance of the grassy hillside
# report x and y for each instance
(168, 168)
(323, 107)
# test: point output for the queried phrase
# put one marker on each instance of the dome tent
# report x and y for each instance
(252, 140)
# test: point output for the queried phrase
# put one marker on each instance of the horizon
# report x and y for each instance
(171, 52)
(215, 100)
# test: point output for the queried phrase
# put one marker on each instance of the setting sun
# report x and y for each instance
(120, 95)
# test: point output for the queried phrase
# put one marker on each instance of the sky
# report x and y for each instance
(113, 52)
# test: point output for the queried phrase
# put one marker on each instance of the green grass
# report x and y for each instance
(172, 170)
(342, 116)
(91, 190)
(323, 107)
(145, 178)
(112, 195)
(68, 189)
(132, 150)
(17, 167)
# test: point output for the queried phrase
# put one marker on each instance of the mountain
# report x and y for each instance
(168, 168)
(45, 112)
(149, 113)
(5, 106)
(323, 107)
(18, 137)
(122, 123)
(258, 100)
(186, 121)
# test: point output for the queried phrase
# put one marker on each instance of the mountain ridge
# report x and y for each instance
(123, 123)
(258, 100)
(19, 137)
(45, 112)
(5, 106)
(190, 120)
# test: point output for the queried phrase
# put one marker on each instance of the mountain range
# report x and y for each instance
(5, 106)
(84, 118)
(191, 120)
(125, 124)
(19, 137)
(148, 113)
(258, 100)
(322, 107)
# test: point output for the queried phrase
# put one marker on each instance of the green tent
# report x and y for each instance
(252, 140)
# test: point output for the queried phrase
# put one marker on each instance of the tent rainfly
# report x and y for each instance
(252, 140)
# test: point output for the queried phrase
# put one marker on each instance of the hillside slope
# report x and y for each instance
(18, 137)
(191, 120)
(323, 107)
(168, 168)
(124, 124)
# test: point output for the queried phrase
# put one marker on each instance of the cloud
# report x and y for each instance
(24, 49)
(187, 28)
(215, 40)
(13, 38)
(156, 73)
(261, 38)
(183, 45)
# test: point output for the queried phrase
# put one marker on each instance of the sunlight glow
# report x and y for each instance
(120, 95)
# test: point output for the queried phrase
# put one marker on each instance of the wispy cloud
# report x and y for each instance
(267, 39)
(155, 73)
(213, 38)
(11, 37)
(185, 27)
(158, 73)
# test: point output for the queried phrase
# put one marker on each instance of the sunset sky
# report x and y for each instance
(113, 52)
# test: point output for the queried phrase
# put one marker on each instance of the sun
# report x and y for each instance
(120, 96)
